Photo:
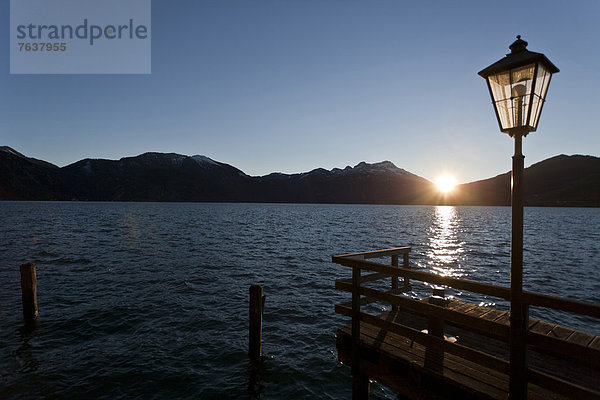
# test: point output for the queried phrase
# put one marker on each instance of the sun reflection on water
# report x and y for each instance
(445, 248)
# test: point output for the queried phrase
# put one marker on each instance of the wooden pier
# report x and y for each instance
(441, 348)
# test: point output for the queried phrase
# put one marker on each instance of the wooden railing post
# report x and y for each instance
(257, 303)
(406, 264)
(434, 357)
(360, 382)
(394, 279)
(29, 293)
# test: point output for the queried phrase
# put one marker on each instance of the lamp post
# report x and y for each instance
(518, 84)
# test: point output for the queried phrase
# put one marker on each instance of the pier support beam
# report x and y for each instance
(434, 356)
(29, 293)
(360, 387)
(360, 381)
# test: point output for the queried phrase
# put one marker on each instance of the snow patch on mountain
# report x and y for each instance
(203, 160)
(87, 167)
(384, 167)
(174, 158)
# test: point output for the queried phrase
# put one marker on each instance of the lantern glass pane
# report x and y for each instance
(500, 84)
(500, 87)
(539, 94)
(521, 87)
(511, 92)
(504, 109)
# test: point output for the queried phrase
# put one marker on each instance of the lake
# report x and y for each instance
(149, 300)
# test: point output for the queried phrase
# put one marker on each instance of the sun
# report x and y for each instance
(445, 183)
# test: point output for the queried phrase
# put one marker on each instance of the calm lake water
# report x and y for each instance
(149, 300)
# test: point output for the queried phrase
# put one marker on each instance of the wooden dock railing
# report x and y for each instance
(567, 362)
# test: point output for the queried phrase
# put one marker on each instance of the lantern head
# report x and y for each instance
(518, 84)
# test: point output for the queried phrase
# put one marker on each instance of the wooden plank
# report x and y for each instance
(534, 299)
(564, 368)
(532, 322)
(580, 338)
(452, 317)
(595, 344)
(431, 341)
(461, 374)
(560, 332)
(376, 253)
(546, 344)
(457, 370)
(561, 386)
(366, 278)
(477, 311)
(394, 369)
(477, 376)
(540, 335)
(416, 359)
(573, 350)
(459, 306)
(563, 304)
(342, 308)
(492, 314)
(471, 286)
(503, 319)
(541, 327)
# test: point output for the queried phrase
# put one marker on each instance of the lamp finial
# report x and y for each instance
(518, 45)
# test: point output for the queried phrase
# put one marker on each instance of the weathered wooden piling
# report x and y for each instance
(361, 386)
(29, 292)
(257, 304)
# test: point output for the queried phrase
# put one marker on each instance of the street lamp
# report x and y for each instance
(518, 84)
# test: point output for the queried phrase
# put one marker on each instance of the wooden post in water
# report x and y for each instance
(257, 304)
(29, 293)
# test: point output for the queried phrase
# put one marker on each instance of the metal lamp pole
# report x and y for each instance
(519, 311)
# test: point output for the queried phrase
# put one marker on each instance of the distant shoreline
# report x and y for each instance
(285, 203)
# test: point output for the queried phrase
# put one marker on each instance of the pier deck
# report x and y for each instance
(439, 348)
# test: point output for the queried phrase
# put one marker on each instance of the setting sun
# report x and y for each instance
(445, 183)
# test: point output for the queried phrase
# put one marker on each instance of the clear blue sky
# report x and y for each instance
(292, 85)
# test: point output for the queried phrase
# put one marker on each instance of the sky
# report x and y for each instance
(293, 85)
